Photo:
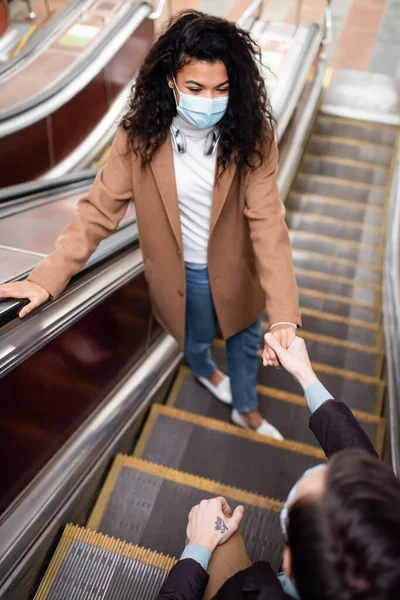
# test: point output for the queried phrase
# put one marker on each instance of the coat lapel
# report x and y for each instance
(163, 170)
(221, 189)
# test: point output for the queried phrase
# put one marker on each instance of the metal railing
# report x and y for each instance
(391, 318)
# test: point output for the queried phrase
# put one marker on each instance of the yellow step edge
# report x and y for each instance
(373, 380)
(75, 533)
(326, 258)
(318, 314)
(350, 162)
(358, 122)
(350, 141)
(337, 298)
(335, 241)
(332, 341)
(338, 201)
(264, 390)
(348, 182)
(338, 279)
(180, 477)
(288, 397)
(335, 221)
(223, 427)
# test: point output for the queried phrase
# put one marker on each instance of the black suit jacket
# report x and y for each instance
(336, 428)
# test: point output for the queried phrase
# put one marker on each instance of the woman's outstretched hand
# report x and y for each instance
(295, 359)
(284, 337)
(25, 289)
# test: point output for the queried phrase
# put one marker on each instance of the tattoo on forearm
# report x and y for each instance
(220, 525)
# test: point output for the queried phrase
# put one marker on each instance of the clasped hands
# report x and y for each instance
(212, 523)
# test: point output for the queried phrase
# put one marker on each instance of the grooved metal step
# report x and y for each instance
(314, 299)
(335, 227)
(363, 392)
(351, 149)
(223, 452)
(338, 168)
(314, 242)
(320, 263)
(340, 327)
(340, 286)
(324, 206)
(363, 132)
(325, 186)
(148, 504)
(89, 565)
(288, 412)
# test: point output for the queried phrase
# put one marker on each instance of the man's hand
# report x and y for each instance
(25, 289)
(284, 336)
(212, 523)
(295, 360)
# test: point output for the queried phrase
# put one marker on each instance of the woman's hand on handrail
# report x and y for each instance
(25, 289)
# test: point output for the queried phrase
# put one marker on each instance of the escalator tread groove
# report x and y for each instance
(140, 497)
(86, 562)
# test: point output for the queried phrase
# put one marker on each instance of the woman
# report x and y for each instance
(196, 153)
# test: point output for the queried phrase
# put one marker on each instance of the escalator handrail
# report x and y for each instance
(303, 64)
(33, 45)
(22, 191)
(126, 237)
(391, 317)
(77, 77)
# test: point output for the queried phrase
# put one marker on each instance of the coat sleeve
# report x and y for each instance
(97, 216)
(336, 428)
(186, 581)
(270, 238)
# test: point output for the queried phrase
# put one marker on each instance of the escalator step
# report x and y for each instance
(337, 305)
(363, 132)
(361, 392)
(342, 286)
(341, 168)
(335, 227)
(340, 327)
(90, 565)
(324, 244)
(223, 452)
(356, 212)
(351, 149)
(346, 190)
(288, 412)
(148, 504)
(341, 354)
(321, 263)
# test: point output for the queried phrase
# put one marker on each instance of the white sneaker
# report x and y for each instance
(265, 428)
(222, 391)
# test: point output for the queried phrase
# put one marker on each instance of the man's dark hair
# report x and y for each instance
(346, 546)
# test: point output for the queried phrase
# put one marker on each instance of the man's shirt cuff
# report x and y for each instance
(199, 553)
(316, 394)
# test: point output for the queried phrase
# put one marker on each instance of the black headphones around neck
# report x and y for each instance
(180, 146)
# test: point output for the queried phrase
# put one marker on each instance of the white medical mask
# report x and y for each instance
(201, 112)
(285, 510)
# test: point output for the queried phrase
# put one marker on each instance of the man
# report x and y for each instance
(341, 520)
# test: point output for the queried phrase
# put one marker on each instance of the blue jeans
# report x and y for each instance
(242, 348)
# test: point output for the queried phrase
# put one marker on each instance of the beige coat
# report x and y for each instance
(249, 252)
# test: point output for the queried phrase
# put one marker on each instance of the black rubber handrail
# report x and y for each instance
(28, 189)
(391, 318)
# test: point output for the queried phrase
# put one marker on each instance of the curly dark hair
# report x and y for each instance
(247, 126)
